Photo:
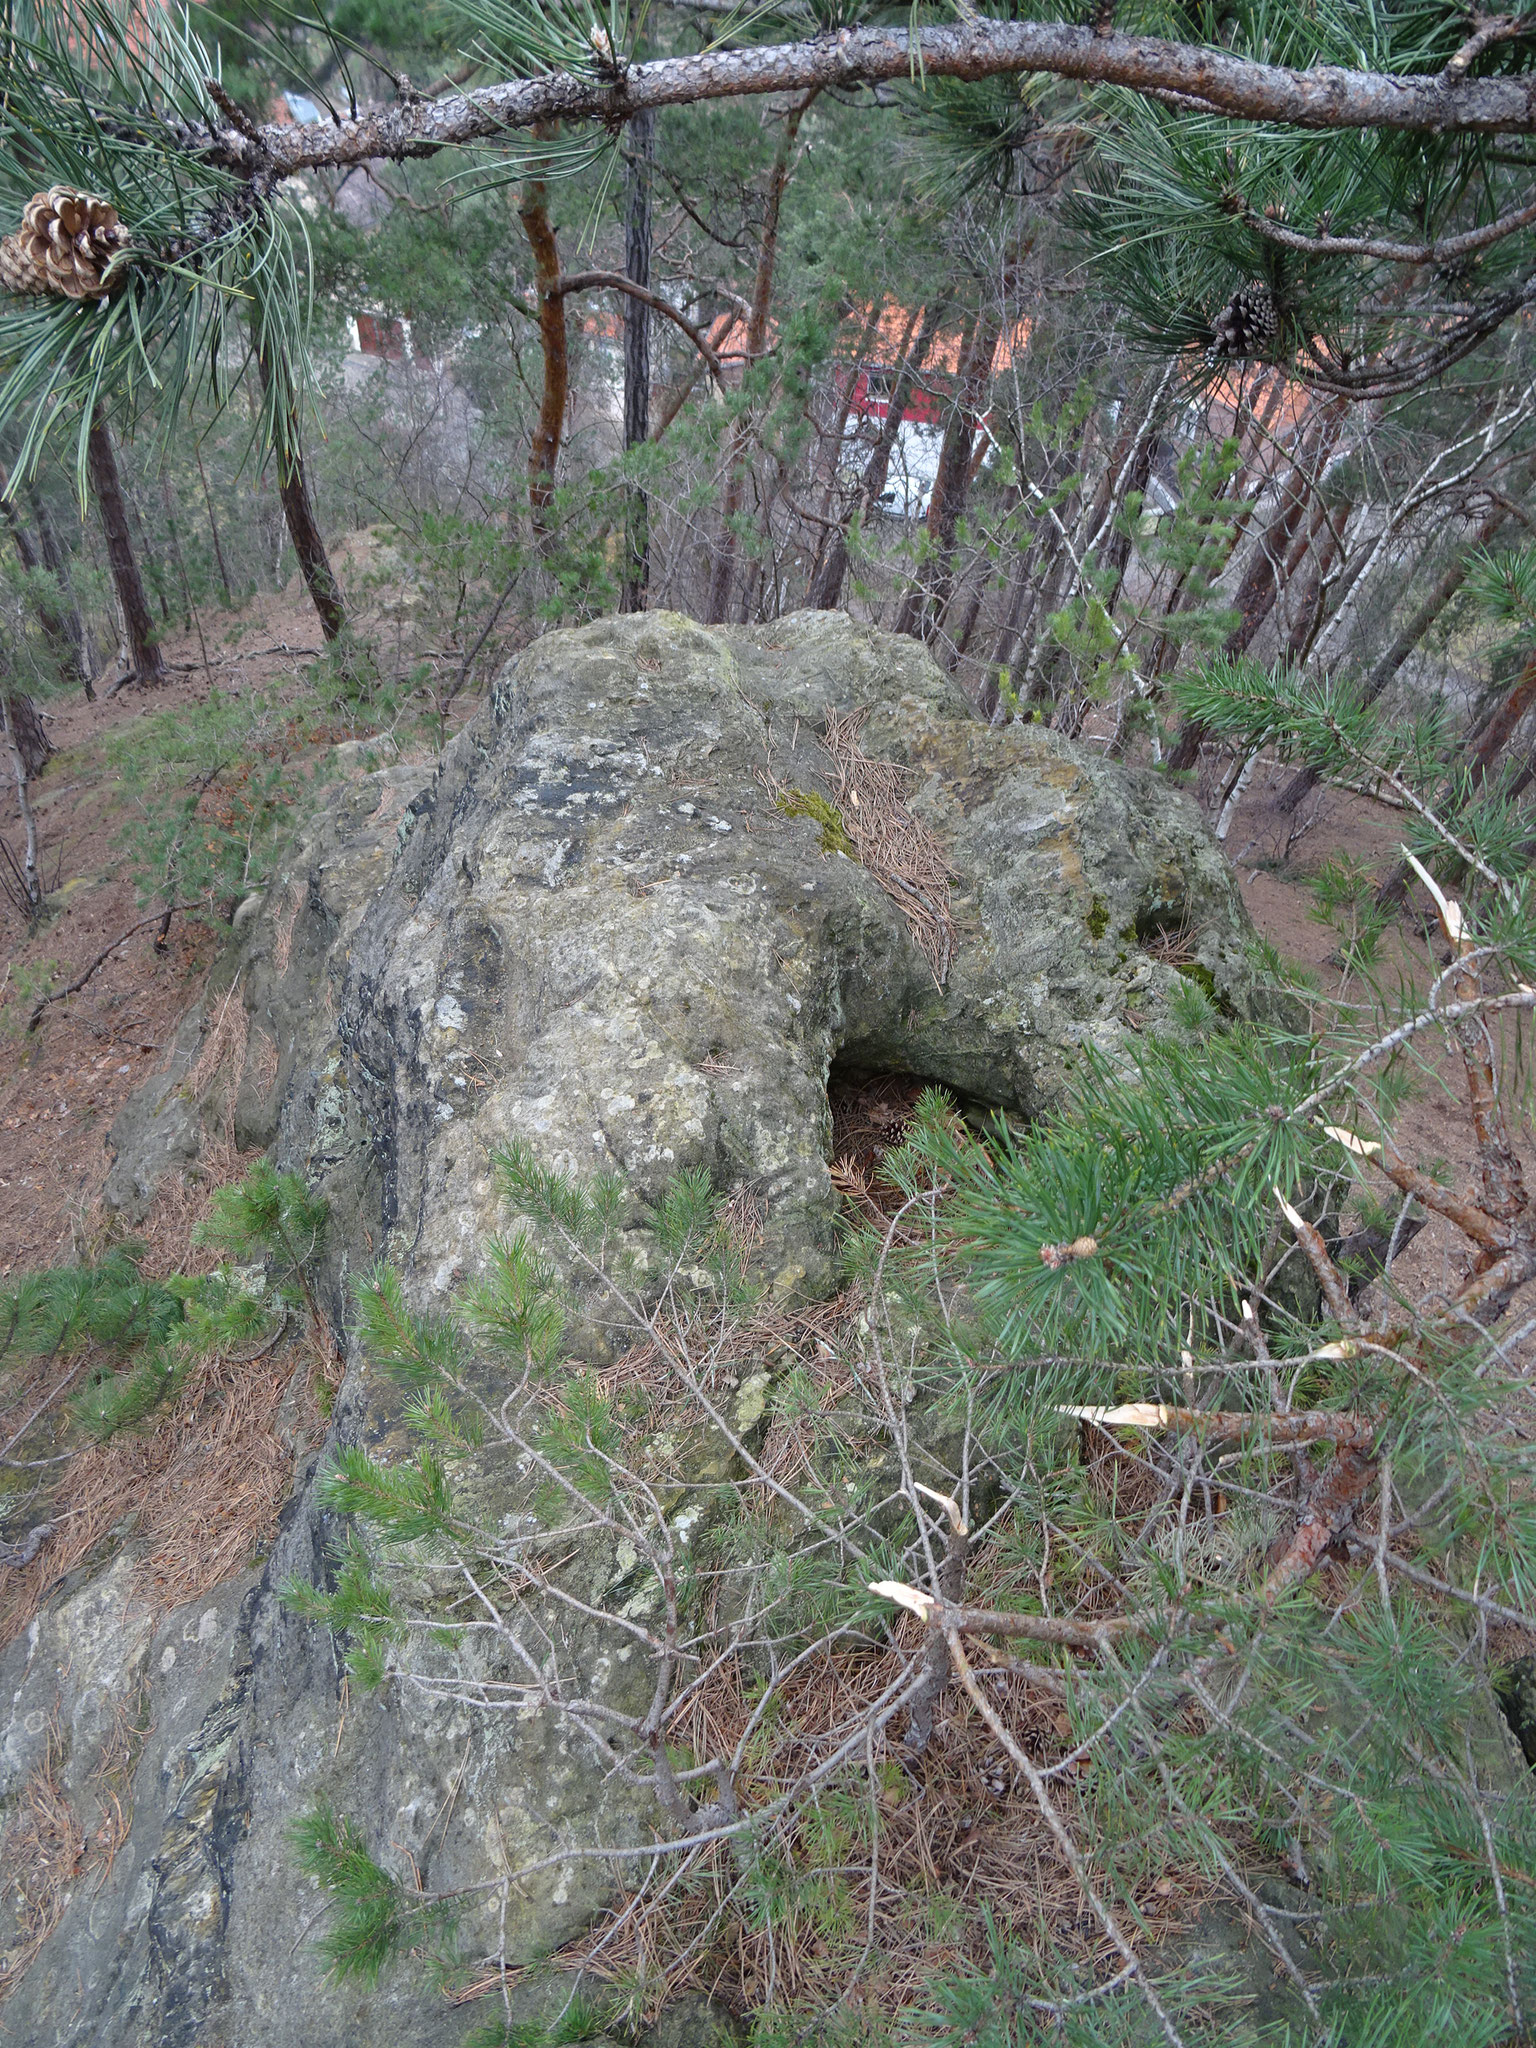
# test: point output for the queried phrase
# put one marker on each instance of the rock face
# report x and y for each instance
(599, 935)
(592, 930)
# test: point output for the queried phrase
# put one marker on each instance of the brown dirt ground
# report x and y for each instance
(1277, 855)
(61, 1086)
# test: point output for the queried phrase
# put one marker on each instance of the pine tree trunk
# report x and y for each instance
(58, 568)
(65, 643)
(637, 358)
(213, 531)
(29, 732)
(911, 614)
(839, 431)
(309, 546)
(544, 452)
(1309, 612)
(147, 663)
(961, 456)
(303, 527)
(32, 888)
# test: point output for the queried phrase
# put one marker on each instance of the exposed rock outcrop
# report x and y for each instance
(600, 935)
(591, 929)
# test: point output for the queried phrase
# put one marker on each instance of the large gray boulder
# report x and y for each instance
(593, 929)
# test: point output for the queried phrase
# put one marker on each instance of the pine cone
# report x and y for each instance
(1246, 324)
(65, 243)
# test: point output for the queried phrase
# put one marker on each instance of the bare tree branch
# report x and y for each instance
(614, 280)
(1325, 97)
(1450, 250)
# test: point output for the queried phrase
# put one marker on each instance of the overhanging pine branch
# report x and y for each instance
(1327, 97)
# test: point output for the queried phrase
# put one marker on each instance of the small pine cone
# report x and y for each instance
(1248, 322)
(63, 248)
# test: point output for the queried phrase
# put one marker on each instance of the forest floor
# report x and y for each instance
(62, 1084)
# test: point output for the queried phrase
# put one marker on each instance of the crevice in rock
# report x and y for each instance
(870, 1112)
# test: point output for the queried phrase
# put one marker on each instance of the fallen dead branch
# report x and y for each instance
(59, 995)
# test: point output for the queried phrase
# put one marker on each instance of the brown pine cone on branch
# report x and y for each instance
(1248, 322)
(65, 243)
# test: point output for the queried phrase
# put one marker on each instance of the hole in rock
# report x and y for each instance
(872, 1110)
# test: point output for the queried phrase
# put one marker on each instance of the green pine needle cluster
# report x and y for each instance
(100, 96)
(130, 1340)
(373, 1915)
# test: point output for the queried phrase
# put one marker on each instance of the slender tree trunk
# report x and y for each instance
(912, 615)
(1499, 729)
(143, 653)
(961, 455)
(32, 887)
(971, 614)
(29, 733)
(637, 357)
(1020, 591)
(1133, 446)
(309, 546)
(149, 557)
(826, 589)
(55, 562)
(549, 430)
(839, 432)
(213, 531)
(1265, 578)
(304, 528)
(1308, 613)
(757, 336)
(1196, 582)
(1116, 553)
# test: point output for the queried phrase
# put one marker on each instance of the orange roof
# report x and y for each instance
(895, 321)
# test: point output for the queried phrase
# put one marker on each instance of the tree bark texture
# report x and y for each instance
(1216, 80)
(309, 546)
(304, 528)
(28, 731)
(637, 356)
(549, 429)
(143, 653)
